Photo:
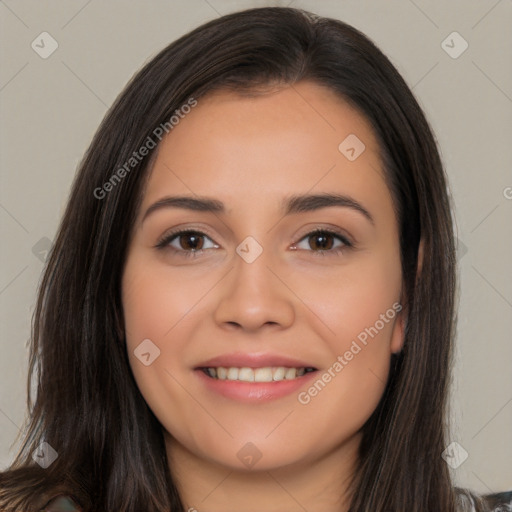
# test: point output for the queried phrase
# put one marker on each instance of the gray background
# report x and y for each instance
(51, 107)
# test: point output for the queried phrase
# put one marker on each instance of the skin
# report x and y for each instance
(250, 153)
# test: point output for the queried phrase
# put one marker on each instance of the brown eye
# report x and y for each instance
(186, 242)
(191, 240)
(321, 241)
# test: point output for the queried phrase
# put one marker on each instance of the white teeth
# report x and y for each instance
(279, 373)
(291, 373)
(246, 374)
(232, 373)
(263, 375)
(266, 374)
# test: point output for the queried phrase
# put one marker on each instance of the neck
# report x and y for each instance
(319, 484)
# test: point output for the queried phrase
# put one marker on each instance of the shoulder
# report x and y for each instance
(62, 503)
(469, 501)
(500, 502)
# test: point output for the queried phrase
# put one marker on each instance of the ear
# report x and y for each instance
(398, 334)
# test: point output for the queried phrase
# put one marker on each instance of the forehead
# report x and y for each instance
(250, 151)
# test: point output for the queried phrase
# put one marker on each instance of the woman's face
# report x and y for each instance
(222, 342)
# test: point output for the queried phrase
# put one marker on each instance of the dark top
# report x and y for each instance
(500, 502)
(62, 503)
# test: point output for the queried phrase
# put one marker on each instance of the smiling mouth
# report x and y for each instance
(265, 374)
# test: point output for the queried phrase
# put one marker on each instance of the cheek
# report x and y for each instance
(154, 311)
(348, 389)
(151, 309)
(352, 299)
(155, 301)
(361, 307)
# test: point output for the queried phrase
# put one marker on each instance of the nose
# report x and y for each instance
(254, 295)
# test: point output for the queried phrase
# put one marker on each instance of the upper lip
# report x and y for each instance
(253, 360)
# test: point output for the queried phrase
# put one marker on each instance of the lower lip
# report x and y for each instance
(254, 391)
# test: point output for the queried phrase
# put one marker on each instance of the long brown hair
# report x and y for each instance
(111, 453)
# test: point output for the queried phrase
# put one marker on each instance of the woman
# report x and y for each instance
(248, 368)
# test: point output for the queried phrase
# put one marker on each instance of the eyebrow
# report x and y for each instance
(290, 205)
